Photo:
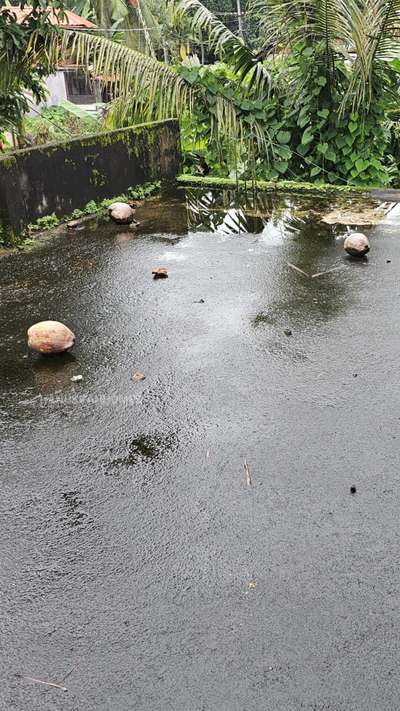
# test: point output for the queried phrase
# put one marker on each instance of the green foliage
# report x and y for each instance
(138, 192)
(44, 223)
(310, 111)
(26, 56)
(306, 135)
(57, 124)
(287, 186)
(324, 116)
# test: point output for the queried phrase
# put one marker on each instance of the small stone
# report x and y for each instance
(288, 332)
(121, 213)
(353, 490)
(76, 378)
(73, 225)
(160, 273)
(355, 375)
(138, 376)
(357, 244)
(388, 261)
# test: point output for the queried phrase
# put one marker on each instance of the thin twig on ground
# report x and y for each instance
(247, 472)
(297, 269)
(328, 271)
(47, 683)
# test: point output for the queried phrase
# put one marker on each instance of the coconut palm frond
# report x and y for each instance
(222, 41)
(127, 72)
(384, 16)
(329, 28)
(282, 22)
(285, 22)
(375, 37)
(202, 20)
(144, 88)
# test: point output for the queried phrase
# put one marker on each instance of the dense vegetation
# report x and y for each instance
(310, 92)
(26, 57)
(56, 124)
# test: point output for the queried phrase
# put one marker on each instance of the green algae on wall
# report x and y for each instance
(287, 186)
(62, 177)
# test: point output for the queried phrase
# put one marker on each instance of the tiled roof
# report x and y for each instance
(70, 19)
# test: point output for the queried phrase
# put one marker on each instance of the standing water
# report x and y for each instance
(188, 542)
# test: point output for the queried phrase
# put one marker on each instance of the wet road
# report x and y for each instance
(138, 568)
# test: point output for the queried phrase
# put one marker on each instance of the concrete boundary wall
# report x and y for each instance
(60, 177)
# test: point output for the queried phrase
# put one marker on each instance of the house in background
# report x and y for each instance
(69, 82)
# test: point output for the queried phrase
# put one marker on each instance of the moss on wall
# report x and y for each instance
(287, 186)
(61, 177)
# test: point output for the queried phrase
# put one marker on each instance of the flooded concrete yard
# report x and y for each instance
(139, 569)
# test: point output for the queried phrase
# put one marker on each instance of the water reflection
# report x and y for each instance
(294, 223)
(272, 216)
(54, 372)
(226, 212)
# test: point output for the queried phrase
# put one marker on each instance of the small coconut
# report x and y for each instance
(121, 213)
(50, 337)
(357, 244)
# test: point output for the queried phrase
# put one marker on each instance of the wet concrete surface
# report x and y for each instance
(138, 568)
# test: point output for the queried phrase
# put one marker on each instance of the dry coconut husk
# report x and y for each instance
(121, 213)
(50, 337)
(357, 244)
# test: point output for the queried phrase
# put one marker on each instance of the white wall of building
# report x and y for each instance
(57, 92)
(55, 85)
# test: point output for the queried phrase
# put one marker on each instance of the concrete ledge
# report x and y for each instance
(287, 186)
(60, 177)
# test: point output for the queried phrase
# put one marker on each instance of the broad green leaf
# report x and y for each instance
(322, 148)
(283, 152)
(281, 166)
(303, 121)
(303, 149)
(340, 141)
(307, 137)
(283, 137)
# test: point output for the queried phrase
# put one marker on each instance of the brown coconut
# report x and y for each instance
(121, 213)
(50, 337)
(357, 244)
